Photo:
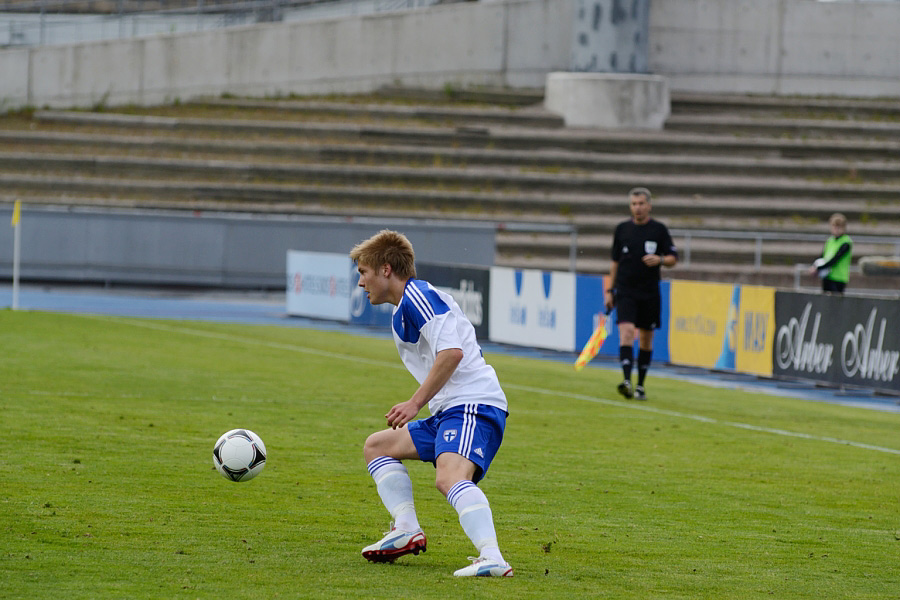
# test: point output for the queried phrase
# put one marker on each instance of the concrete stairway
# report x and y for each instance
(729, 164)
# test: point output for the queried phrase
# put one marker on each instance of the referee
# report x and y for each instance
(640, 246)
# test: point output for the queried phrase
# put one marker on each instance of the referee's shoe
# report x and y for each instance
(624, 388)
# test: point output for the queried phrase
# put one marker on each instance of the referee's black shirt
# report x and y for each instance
(630, 243)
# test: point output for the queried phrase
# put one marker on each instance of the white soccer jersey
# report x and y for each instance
(427, 321)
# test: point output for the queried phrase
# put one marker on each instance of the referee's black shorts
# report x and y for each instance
(643, 310)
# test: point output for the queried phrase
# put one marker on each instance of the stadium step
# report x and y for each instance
(724, 163)
(258, 152)
(576, 140)
(504, 179)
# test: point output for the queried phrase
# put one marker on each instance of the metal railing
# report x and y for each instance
(547, 228)
(758, 237)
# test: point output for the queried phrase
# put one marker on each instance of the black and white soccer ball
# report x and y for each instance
(239, 455)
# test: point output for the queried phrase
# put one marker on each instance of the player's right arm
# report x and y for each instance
(445, 364)
(609, 285)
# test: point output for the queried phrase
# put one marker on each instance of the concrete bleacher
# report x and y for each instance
(722, 163)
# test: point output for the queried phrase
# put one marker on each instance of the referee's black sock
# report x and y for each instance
(626, 357)
(643, 363)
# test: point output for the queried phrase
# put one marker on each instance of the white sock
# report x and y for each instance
(395, 489)
(476, 518)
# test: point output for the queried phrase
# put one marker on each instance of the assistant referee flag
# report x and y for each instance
(17, 213)
(592, 347)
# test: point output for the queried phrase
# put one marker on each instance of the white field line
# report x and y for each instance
(702, 419)
(393, 365)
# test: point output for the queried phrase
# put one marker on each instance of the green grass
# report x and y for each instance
(108, 489)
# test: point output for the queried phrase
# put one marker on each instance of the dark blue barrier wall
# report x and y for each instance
(589, 302)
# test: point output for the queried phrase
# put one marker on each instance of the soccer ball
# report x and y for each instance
(239, 455)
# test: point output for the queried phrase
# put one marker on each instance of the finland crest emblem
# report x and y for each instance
(449, 435)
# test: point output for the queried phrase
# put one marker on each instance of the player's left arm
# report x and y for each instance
(844, 249)
(669, 255)
(669, 260)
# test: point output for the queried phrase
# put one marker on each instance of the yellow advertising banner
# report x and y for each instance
(698, 322)
(755, 330)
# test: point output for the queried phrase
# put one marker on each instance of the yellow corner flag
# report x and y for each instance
(592, 348)
(17, 213)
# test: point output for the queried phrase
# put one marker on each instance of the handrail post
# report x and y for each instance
(573, 248)
(757, 259)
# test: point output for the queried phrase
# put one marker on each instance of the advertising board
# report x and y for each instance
(589, 304)
(469, 286)
(318, 285)
(533, 308)
(838, 339)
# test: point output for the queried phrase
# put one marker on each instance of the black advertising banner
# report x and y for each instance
(469, 286)
(839, 340)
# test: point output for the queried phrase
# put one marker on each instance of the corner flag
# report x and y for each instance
(16, 216)
(592, 348)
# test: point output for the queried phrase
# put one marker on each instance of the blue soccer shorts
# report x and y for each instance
(471, 430)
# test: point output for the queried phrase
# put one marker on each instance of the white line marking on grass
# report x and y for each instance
(393, 365)
(243, 340)
(702, 419)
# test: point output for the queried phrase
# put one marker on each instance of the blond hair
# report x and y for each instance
(838, 219)
(387, 247)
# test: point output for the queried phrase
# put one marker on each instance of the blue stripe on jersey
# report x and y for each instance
(419, 305)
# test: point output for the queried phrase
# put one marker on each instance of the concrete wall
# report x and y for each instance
(763, 46)
(777, 46)
(218, 250)
(493, 43)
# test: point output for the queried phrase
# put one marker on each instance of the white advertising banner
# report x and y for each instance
(533, 308)
(318, 285)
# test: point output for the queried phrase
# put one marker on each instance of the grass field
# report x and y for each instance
(107, 489)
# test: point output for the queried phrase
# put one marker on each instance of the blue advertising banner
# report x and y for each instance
(589, 303)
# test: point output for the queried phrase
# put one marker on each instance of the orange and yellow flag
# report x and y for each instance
(592, 347)
(17, 213)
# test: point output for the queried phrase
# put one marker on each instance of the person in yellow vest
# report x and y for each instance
(834, 265)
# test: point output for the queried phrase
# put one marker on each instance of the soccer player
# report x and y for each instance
(640, 247)
(437, 345)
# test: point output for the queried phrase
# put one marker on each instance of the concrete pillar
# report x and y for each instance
(608, 100)
(610, 36)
